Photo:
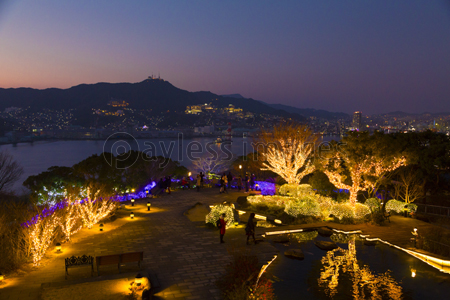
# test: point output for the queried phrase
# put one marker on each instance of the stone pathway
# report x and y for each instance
(186, 257)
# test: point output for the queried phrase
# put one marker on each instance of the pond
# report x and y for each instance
(353, 271)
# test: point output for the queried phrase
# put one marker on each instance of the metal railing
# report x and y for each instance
(443, 211)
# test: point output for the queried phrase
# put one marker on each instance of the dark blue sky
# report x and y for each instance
(373, 56)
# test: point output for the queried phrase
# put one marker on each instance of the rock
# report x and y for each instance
(325, 245)
(370, 243)
(323, 231)
(281, 239)
(294, 253)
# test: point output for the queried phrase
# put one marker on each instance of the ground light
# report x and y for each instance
(2, 277)
(138, 279)
(148, 205)
(101, 227)
(236, 224)
(132, 202)
(413, 273)
(58, 247)
(132, 215)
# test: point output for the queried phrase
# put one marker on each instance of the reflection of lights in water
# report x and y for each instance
(342, 264)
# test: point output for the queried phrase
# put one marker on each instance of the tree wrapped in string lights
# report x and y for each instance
(288, 151)
(42, 235)
(94, 208)
(70, 222)
(361, 161)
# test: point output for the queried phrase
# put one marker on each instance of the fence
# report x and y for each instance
(442, 211)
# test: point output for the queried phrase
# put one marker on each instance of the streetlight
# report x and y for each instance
(148, 205)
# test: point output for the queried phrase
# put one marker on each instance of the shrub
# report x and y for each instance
(303, 207)
(411, 207)
(374, 204)
(345, 211)
(217, 211)
(395, 205)
(296, 190)
(325, 204)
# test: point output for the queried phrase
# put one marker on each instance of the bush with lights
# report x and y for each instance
(305, 207)
(411, 207)
(349, 213)
(395, 206)
(296, 190)
(217, 211)
(374, 204)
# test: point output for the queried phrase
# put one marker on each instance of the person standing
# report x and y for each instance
(199, 182)
(168, 183)
(250, 228)
(246, 182)
(225, 183)
(252, 181)
(223, 226)
(230, 178)
(239, 182)
(201, 179)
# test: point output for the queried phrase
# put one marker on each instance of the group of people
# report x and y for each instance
(249, 228)
(164, 184)
(248, 182)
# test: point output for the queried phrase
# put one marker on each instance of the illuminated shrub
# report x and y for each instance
(307, 207)
(411, 207)
(217, 211)
(325, 204)
(269, 200)
(395, 205)
(361, 210)
(347, 211)
(296, 190)
(374, 204)
(342, 210)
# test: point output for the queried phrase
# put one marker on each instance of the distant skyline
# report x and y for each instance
(343, 56)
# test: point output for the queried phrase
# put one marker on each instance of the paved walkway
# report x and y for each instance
(186, 256)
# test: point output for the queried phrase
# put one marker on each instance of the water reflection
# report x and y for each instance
(303, 237)
(341, 271)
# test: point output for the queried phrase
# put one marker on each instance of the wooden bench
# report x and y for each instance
(79, 261)
(118, 259)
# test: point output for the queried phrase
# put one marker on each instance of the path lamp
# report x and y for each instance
(132, 215)
(148, 205)
(236, 224)
(413, 273)
(189, 174)
(2, 277)
(138, 280)
(101, 227)
(132, 202)
(58, 247)
(416, 235)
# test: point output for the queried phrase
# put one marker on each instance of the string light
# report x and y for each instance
(287, 150)
(42, 233)
(369, 166)
(93, 211)
(69, 221)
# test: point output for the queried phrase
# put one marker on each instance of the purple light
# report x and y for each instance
(266, 188)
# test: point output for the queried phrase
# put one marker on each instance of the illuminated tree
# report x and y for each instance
(210, 163)
(42, 233)
(408, 186)
(94, 208)
(360, 162)
(70, 221)
(288, 151)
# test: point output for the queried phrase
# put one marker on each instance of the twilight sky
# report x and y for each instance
(374, 56)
